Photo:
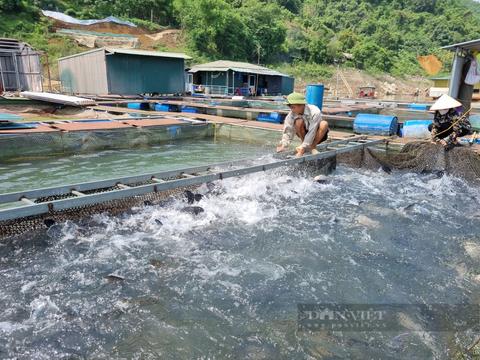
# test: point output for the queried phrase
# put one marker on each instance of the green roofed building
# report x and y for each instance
(123, 72)
(238, 78)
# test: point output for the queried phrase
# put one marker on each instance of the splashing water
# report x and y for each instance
(226, 283)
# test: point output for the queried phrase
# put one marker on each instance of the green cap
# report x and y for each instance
(295, 99)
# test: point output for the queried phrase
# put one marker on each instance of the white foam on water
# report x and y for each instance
(7, 327)
(43, 308)
(27, 286)
(275, 237)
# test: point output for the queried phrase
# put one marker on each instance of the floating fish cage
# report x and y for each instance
(263, 137)
(27, 144)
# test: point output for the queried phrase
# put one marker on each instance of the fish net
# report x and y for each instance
(115, 207)
(421, 157)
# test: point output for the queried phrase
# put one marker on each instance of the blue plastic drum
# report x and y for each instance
(314, 95)
(374, 124)
(416, 129)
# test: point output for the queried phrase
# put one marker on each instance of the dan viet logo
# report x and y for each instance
(387, 317)
(336, 317)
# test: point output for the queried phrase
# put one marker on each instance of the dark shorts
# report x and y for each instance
(325, 137)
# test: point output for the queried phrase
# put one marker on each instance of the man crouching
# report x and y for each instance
(305, 121)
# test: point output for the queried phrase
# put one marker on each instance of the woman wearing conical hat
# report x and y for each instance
(448, 124)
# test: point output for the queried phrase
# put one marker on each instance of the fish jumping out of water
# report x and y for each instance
(114, 278)
(191, 197)
(49, 222)
(321, 179)
(194, 210)
(387, 169)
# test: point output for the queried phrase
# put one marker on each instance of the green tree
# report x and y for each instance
(10, 5)
(214, 28)
(292, 5)
(159, 11)
(265, 29)
(368, 55)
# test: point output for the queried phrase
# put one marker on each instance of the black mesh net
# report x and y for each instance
(426, 157)
(32, 223)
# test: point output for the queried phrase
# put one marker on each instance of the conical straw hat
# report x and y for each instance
(445, 102)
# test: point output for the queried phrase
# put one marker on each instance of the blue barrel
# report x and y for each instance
(475, 121)
(414, 106)
(16, 126)
(189, 109)
(468, 140)
(138, 106)
(273, 117)
(166, 107)
(10, 117)
(416, 129)
(375, 124)
(314, 95)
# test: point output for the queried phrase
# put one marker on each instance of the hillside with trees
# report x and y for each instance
(307, 35)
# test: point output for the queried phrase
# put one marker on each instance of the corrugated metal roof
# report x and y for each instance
(15, 46)
(147, 53)
(225, 65)
(132, 52)
(81, 54)
(467, 45)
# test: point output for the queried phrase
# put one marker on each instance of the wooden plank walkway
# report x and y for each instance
(196, 116)
(335, 134)
(154, 122)
(217, 120)
(41, 128)
(85, 126)
(247, 110)
(59, 126)
(211, 118)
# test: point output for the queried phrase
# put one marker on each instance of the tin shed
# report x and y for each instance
(20, 67)
(123, 72)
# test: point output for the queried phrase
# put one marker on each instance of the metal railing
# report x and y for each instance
(221, 90)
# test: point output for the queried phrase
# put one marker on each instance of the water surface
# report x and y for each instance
(226, 283)
(107, 164)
